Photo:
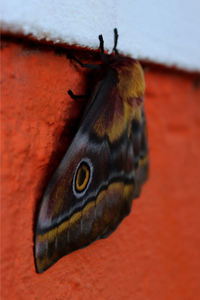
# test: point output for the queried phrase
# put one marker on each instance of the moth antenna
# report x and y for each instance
(116, 35)
(101, 44)
(101, 47)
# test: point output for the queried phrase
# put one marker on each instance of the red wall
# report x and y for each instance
(155, 252)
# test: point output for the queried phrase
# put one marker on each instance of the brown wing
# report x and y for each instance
(102, 171)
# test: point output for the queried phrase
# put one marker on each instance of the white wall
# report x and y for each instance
(164, 31)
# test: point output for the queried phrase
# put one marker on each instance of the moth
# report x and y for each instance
(104, 167)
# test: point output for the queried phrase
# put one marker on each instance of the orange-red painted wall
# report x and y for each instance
(155, 252)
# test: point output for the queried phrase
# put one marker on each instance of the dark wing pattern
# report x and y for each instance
(102, 171)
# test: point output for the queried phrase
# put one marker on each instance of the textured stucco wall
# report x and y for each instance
(154, 254)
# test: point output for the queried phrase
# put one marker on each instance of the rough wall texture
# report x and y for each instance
(154, 254)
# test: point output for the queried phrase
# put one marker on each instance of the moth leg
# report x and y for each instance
(76, 97)
(89, 66)
(116, 35)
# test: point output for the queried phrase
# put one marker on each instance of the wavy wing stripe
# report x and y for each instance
(45, 241)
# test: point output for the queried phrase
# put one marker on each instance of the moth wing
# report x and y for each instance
(93, 187)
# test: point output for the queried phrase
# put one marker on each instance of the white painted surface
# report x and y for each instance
(158, 30)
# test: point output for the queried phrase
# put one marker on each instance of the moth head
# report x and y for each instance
(82, 177)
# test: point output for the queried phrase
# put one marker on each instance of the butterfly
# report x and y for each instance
(104, 167)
